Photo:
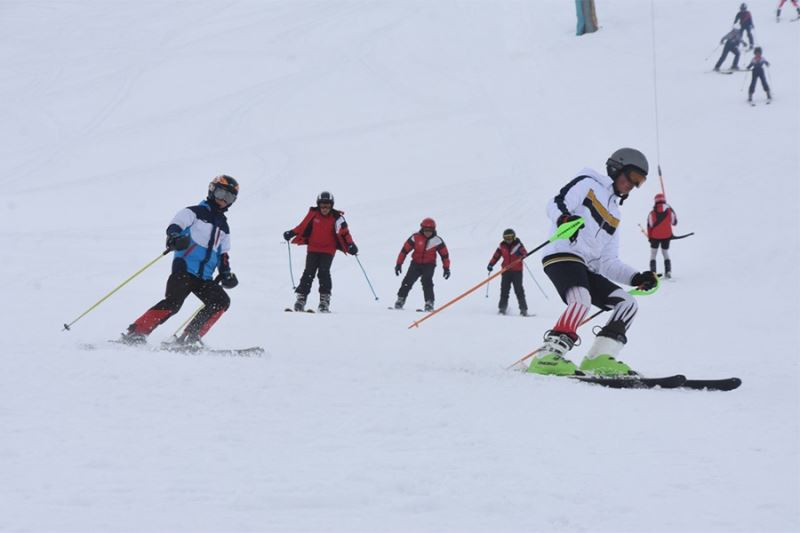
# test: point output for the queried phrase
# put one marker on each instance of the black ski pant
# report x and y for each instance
(415, 272)
(317, 264)
(728, 49)
(764, 84)
(507, 280)
(179, 286)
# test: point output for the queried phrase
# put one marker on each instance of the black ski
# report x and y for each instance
(290, 310)
(633, 382)
(725, 384)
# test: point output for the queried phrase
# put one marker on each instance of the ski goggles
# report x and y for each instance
(509, 237)
(225, 195)
(635, 176)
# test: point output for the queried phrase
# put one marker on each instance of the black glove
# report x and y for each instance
(489, 267)
(288, 235)
(398, 269)
(228, 280)
(352, 249)
(446, 273)
(563, 219)
(644, 280)
(178, 241)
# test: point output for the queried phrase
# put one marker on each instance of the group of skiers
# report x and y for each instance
(735, 38)
(585, 269)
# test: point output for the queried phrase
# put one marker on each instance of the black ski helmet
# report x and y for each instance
(743, 7)
(757, 51)
(626, 157)
(223, 187)
(510, 232)
(324, 196)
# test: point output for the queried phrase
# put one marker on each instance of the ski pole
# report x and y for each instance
(366, 277)
(118, 287)
(197, 311)
(643, 231)
(291, 274)
(536, 282)
(661, 180)
(712, 52)
(632, 292)
(564, 231)
(487, 286)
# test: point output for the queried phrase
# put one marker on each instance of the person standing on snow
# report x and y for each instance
(659, 232)
(200, 237)
(423, 246)
(732, 40)
(512, 251)
(757, 65)
(583, 269)
(324, 230)
(745, 20)
(780, 5)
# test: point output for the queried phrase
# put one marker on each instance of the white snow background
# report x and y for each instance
(116, 114)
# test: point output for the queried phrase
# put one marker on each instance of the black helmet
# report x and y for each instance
(509, 232)
(757, 51)
(223, 188)
(743, 6)
(324, 196)
(626, 157)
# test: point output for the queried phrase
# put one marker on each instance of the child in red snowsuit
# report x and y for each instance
(324, 230)
(423, 246)
(512, 251)
(659, 232)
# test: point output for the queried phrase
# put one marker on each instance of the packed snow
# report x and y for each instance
(116, 114)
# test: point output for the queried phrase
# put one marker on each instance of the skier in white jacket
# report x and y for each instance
(585, 267)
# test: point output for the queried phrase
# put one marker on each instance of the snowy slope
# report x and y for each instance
(117, 114)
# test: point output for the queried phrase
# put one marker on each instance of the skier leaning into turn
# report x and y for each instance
(584, 268)
(200, 238)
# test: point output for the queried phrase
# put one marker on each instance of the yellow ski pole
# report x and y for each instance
(118, 287)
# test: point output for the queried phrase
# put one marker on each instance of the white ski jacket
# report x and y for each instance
(589, 195)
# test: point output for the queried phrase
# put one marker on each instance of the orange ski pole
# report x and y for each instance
(564, 231)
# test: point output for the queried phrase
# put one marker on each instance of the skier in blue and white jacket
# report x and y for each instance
(200, 237)
(585, 267)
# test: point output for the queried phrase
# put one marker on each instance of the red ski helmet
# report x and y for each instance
(660, 198)
(427, 223)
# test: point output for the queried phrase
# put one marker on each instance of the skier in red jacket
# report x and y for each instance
(512, 251)
(324, 230)
(423, 246)
(659, 232)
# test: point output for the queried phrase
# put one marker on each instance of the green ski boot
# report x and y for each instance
(601, 361)
(550, 360)
(604, 365)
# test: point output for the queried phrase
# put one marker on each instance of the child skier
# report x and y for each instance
(582, 268)
(757, 65)
(732, 40)
(511, 250)
(200, 238)
(324, 230)
(745, 20)
(423, 246)
(659, 232)
(780, 5)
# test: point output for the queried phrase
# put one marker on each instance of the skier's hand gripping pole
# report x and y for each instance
(118, 287)
(564, 231)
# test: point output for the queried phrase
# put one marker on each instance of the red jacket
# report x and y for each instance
(323, 233)
(424, 250)
(510, 253)
(660, 222)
